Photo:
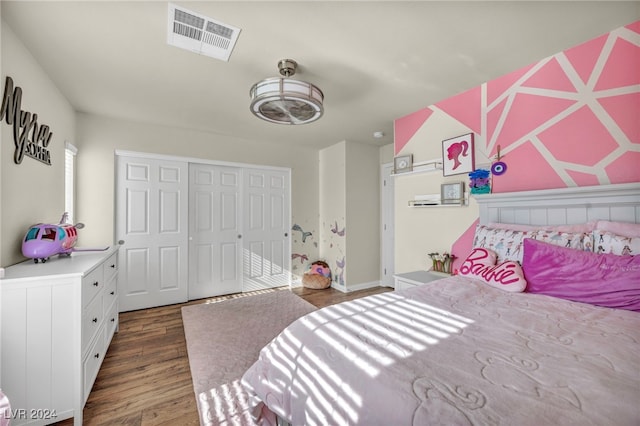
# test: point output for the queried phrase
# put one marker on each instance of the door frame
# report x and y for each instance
(387, 225)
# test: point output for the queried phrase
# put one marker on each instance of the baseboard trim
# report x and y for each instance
(356, 287)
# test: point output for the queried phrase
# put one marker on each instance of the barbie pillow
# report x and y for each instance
(481, 264)
(598, 279)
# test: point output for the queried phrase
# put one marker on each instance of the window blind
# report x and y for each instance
(70, 152)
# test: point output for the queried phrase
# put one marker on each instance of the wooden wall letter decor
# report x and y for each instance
(30, 138)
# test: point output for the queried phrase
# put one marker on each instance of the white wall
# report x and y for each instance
(1, 141)
(363, 214)
(420, 231)
(99, 137)
(332, 212)
(350, 202)
(386, 153)
(31, 191)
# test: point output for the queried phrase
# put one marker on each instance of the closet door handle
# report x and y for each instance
(239, 236)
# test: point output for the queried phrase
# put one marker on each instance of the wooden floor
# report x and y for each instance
(145, 377)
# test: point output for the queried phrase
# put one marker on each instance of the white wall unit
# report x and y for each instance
(58, 319)
(238, 218)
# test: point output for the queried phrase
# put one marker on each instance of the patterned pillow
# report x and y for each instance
(579, 227)
(608, 242)
(507, 243)
(575, 240)
(481, 264)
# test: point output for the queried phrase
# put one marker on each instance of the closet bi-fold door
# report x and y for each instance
(266, 238)
(215, 230)
(151, 226)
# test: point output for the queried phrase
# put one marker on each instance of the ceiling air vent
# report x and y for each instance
(200, 34)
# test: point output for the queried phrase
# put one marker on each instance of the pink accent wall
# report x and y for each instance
(572, 119)
(404, 128)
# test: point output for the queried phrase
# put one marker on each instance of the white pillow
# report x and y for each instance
(625, 229)
(508, 243)
(608, 242)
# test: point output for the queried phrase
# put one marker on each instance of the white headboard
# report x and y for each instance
(619, 203)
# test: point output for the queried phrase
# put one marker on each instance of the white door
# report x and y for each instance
(215, 244)
(151, 225)
(387, 231)
(267, 224)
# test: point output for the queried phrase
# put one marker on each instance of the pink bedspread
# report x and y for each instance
(452, 352)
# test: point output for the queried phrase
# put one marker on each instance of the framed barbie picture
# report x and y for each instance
(458, 155)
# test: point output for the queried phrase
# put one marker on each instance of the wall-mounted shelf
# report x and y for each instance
(423, 167)
(433, 200)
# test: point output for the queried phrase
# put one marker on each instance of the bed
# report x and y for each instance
(481, 348)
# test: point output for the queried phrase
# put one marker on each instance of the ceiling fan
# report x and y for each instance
(285, 100)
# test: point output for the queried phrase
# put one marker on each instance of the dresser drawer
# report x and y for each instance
(110, 324)
(91, 321)
(111, 267)
(92, 284)
(110, 294)
(91, 365)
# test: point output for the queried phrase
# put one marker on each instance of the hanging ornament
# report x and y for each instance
(498, 168)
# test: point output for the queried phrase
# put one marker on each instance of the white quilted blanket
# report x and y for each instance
(452, 352)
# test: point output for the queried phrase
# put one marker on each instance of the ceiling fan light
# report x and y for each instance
(286, 101)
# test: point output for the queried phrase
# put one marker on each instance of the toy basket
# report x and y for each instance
(318, 276)
(315, 281)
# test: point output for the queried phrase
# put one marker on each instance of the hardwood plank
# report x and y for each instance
(145, 378)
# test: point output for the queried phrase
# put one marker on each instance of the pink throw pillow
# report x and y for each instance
(481, 264)
(620, 228)
(598, 279)
(578, 228)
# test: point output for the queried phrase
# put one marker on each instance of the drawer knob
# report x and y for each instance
(95, 284)
(112, 293)
(95, 320)
(97, 355)
(113, 320)
(113, 266)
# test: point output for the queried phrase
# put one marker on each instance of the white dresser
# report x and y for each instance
(415, 278)
(58, 319)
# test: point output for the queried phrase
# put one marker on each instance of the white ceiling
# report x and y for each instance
(375, 61)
